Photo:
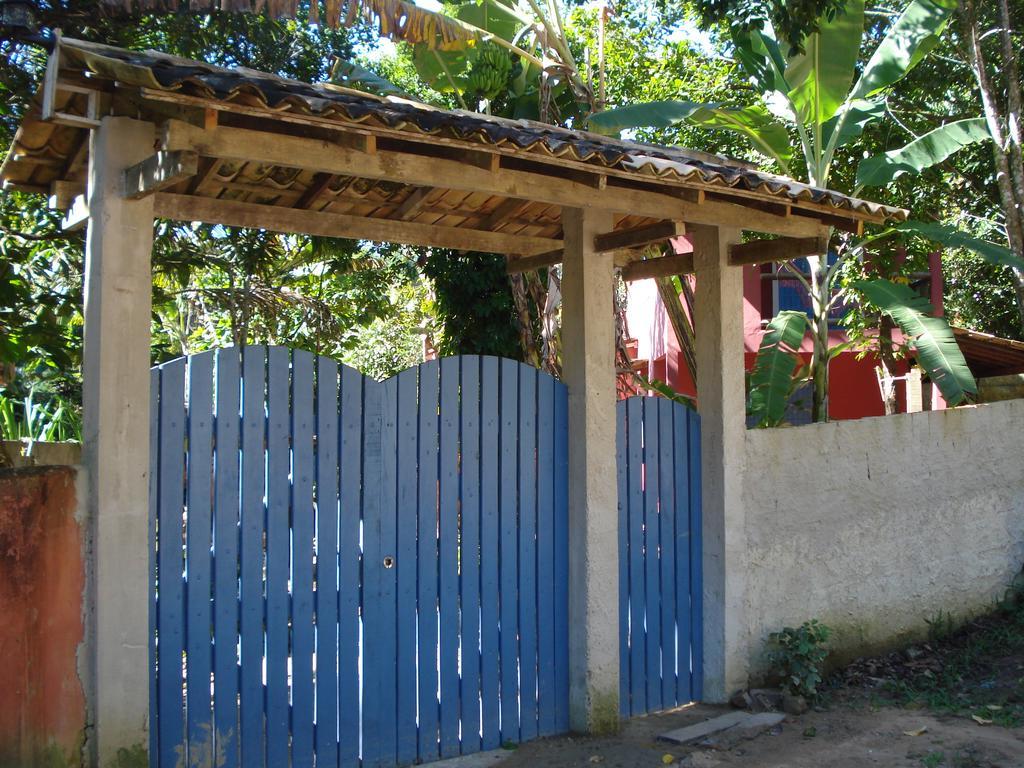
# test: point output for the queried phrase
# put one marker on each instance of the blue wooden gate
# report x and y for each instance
(346, 570)
(659, 555)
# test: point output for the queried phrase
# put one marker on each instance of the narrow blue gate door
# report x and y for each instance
(348, 572)
(660, 610)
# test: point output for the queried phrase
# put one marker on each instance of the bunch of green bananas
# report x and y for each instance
(489, 72)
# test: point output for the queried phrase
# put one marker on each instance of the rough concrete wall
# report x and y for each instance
(874, 526)
(42, 703)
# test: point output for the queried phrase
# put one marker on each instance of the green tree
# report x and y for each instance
(817, 94)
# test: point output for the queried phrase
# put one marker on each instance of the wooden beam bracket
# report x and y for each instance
(639, 236)
(664, 266)
(780, 249)
(157, 172)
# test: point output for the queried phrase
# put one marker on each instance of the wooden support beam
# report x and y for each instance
(412, 205)
(639, 236)
(281, 219)
(159, 171)
(781, 249)
(664, 266)
(540, 260)
(247, 145)
(77, 216)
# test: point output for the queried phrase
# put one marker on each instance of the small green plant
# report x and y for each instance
(940, 626)
(798, 654)
(31, 419)
(933, 759)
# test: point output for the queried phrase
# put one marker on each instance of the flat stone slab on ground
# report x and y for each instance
(741, 721)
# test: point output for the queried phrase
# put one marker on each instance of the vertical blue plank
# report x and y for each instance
(373, 659)
(171, 618)
(426, 554)
(696, 557)
(652, 545)
(199, 541)
(469, 552)
(623, 471)
(252, 516)
(405, 563)
(326, 562)
(667, 536)
(154, 495)
(225, 573)
(545, 555)
(562, 556)
(303, 469)
(508, 552)
(637, 594)
(527, 552)
(349, 553)
(278, 554)
(379, 530)
(448, 593)
(489, 543)
(680, 428)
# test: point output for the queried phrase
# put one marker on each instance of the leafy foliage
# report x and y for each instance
(474, 303)
(774, 377)
(931, 337)
(932, 148)
(799, 653)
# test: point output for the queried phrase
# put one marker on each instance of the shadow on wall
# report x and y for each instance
(42, 702)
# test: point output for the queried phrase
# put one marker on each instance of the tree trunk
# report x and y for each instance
(819, 336)
(887, 367)
(1003, 128)
(679, 321)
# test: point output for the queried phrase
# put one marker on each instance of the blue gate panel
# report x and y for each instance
(353, 573)
(658, 444)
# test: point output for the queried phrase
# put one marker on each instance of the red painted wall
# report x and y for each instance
(42, 577)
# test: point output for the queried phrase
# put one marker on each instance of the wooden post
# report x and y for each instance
(718, 310)
(115, 394)
(588, 335)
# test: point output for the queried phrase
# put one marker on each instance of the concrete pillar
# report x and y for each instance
(588, 341)
(115, 451)
(718, 321)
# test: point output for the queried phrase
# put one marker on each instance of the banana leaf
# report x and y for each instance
(767, 136)
(915, 33)
(820, 78)
(930, 337)
(760, 55)
(771, 381)
(955, 238)
(861, 114)
(928, 150)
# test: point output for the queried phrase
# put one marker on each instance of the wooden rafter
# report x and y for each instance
(321, 182)
(413, 204)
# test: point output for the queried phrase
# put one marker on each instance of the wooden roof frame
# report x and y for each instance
(517, 195)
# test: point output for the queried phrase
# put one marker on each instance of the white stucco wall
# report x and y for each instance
(874, 526)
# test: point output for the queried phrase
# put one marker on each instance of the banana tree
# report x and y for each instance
(813, 94)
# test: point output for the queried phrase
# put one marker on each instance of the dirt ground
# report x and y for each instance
(843, 737)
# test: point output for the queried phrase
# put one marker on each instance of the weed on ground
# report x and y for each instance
(975, 670)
